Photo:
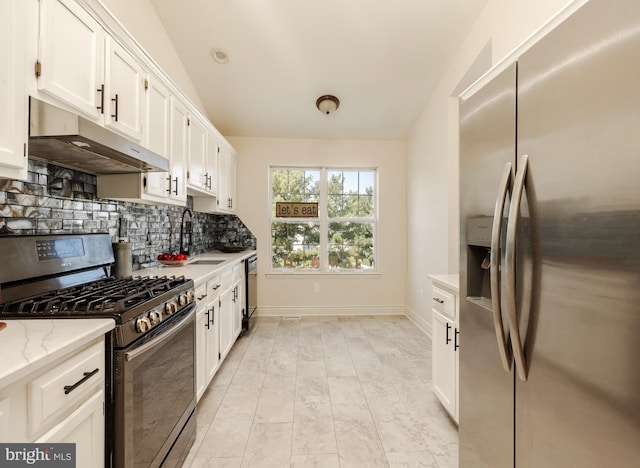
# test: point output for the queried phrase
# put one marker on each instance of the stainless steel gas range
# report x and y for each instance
(151, 392)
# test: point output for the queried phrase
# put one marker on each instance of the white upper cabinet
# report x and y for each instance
(86, 63)
(197, 175)
(71, 57)
(124, 91)
(82, 67)
(13, 96)
(211, 164)
(203, 160)
(157, 133)
(166, 133)
(227, 184)
(179, 148)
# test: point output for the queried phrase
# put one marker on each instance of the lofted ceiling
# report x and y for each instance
(381, 58)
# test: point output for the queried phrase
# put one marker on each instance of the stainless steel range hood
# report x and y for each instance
(68, 140)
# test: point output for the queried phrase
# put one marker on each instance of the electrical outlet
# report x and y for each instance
(316, 287)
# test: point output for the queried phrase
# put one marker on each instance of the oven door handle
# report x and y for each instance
(143, 349)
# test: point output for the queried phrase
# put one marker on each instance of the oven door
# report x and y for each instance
(154, 393)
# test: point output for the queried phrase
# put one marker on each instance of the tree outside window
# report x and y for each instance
(342, 237)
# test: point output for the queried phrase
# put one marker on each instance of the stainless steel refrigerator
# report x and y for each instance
(550, 251)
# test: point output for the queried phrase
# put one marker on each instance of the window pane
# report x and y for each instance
(366, 183)
(294, 185)
(295, 245)
(365, 206)
(350, 245)
(350, 194)
(334, 182)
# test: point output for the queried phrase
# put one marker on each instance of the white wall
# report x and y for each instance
(293, 295)
(139, 17)
(432, 149)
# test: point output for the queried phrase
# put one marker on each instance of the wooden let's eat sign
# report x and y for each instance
(296, 210)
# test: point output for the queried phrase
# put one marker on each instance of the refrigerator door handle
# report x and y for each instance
(510, 268)
(506, 182)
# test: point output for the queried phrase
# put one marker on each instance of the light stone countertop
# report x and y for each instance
(198, 273)
(27, 345)
(447, 280)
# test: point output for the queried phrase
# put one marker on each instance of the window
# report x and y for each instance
(342, 235)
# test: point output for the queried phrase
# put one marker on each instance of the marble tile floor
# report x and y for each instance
(325, 392)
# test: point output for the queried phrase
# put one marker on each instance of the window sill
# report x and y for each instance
(323, 274)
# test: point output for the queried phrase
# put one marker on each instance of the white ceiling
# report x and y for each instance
(381, 58)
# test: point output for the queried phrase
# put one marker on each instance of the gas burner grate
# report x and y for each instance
(108, 296)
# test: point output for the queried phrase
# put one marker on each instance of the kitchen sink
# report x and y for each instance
(207, 262)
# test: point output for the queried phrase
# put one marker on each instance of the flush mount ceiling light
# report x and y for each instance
(219, 55)
(327, 104)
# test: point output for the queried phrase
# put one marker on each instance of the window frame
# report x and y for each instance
(324, 220)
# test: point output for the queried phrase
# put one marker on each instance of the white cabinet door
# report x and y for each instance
(124, 91)
(179, 143)
(227, 309)
(211, 164)
(238, 309)
(197, 149)
(201, 344)
(85, 428)
(158, 121)
(13, 97)
(71, 56)
(227, 177)
(444, 364)
(232, 183)
(213, 339)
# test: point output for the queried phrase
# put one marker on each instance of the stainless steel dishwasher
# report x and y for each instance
(251, 277)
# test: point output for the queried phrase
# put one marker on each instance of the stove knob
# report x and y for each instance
(143, 324)
(155, 317)
(183, 300)
(170, 307)
(191, 295)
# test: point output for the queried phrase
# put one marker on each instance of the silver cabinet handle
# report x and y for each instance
(506, 182)
(510, 268)
(438, 300)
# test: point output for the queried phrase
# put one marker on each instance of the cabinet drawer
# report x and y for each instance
(64, 387)
(444, 301)
(213, 287)
(238, 271)
(226, 278)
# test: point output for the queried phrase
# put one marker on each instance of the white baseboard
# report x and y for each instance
(293, 311)
(421, 323)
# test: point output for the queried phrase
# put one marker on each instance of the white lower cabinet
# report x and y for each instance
(240, 299)
(445, 345)
(207, 334)
(84, 428)
(218, 322)
(62, 403)
(227, 310)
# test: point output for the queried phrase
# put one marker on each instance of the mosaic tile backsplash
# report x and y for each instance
(56, 200)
